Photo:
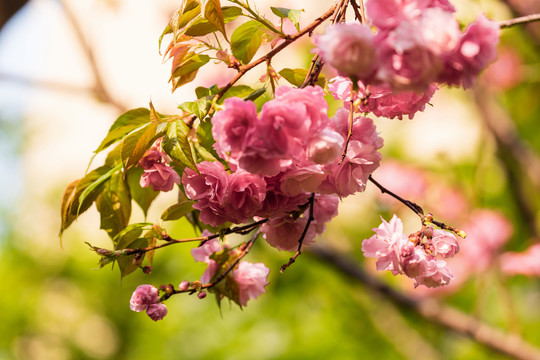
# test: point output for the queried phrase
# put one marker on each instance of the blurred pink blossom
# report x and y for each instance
(524, 263)
(251, 279)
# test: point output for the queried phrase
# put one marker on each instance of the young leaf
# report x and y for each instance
(93, 185)
(142, 196)
(176, 144)
(125, 263)
(125, 123)
(201, 26)
(178, 210)
(214, 14)
(135, 144)
(71, 208)
(188, 68)
(293, 15)
(246, 40)
(114, 205)
(255, 94)
(297, 76)
(132, 232)
(181, 17)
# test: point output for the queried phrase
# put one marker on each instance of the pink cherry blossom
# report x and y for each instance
(208, 188)
(230, 125)
(524, 263)
(312, 98)
(143, 296)
(476, 49)
(202, 254)
(161, 177)
(300, 179)
(381, 100)
(405, 180)
(244, 196)
(251, 279)
(156, 311)
(157, 172)
(284, 233)
(437, 274)
(349, 48)
(277, 203)
(324, 147)
(445, 243)
(387, 244)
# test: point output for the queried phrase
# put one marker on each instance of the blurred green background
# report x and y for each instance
(54, 305)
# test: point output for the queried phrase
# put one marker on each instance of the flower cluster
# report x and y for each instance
(414, 255)
(146, 298)
(416, 43)
(157, 172)
(277, 158)
(380, 100)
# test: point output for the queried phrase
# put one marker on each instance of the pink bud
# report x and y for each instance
(201, 295)
(183, 285)
(156, 311)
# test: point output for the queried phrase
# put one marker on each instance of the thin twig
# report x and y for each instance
(433, 311)
(519, 21)
(304, 233)
(414, 207)
(349, 133)
(287, 41)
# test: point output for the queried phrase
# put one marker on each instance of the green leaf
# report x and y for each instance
(114, 205)
(125, 123)
(297, 76)
(92, 186)
(214, 14)
(71, 206)
(178, 211)
(293, 15)
(199, 108)
(240, 91)
(127, 236)
(186, 71)
(142, 196)
(192, 62)
(125, 263)
(176, 144)
(181, 17)
(246, 40)
(201, 26)
(255, 94)
(135, 144)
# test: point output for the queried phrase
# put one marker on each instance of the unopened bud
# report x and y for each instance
(147, 269)
(201, 295)
(183, 285)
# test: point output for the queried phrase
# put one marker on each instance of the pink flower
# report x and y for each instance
(300, 179)
(387, 244)
(525, 263)
(349, 48)
(445, 243)
(408, 182)
(143, 296)
(312, 98)
(208, 188)
(202, 254)
(244, 196)
(381, 100)
(157, 172)
(230, 125)
(277, 203)
(476, 49)
(156, 311)
(284, 233)
(251, 279)
(324, 147)
(437, 274)
(161, 177)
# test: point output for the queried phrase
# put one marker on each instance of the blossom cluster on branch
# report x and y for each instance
(275, 167)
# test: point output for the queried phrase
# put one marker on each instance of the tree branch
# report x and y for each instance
(519, 21)
(433, 311)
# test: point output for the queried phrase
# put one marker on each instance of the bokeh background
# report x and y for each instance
(69, 68)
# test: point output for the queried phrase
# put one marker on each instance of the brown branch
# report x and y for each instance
(303, 236)
(448, 317)
(414, 207)
(99, 86)
(287, 41)
(519, 21)
(517, 157)
(45, 83)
